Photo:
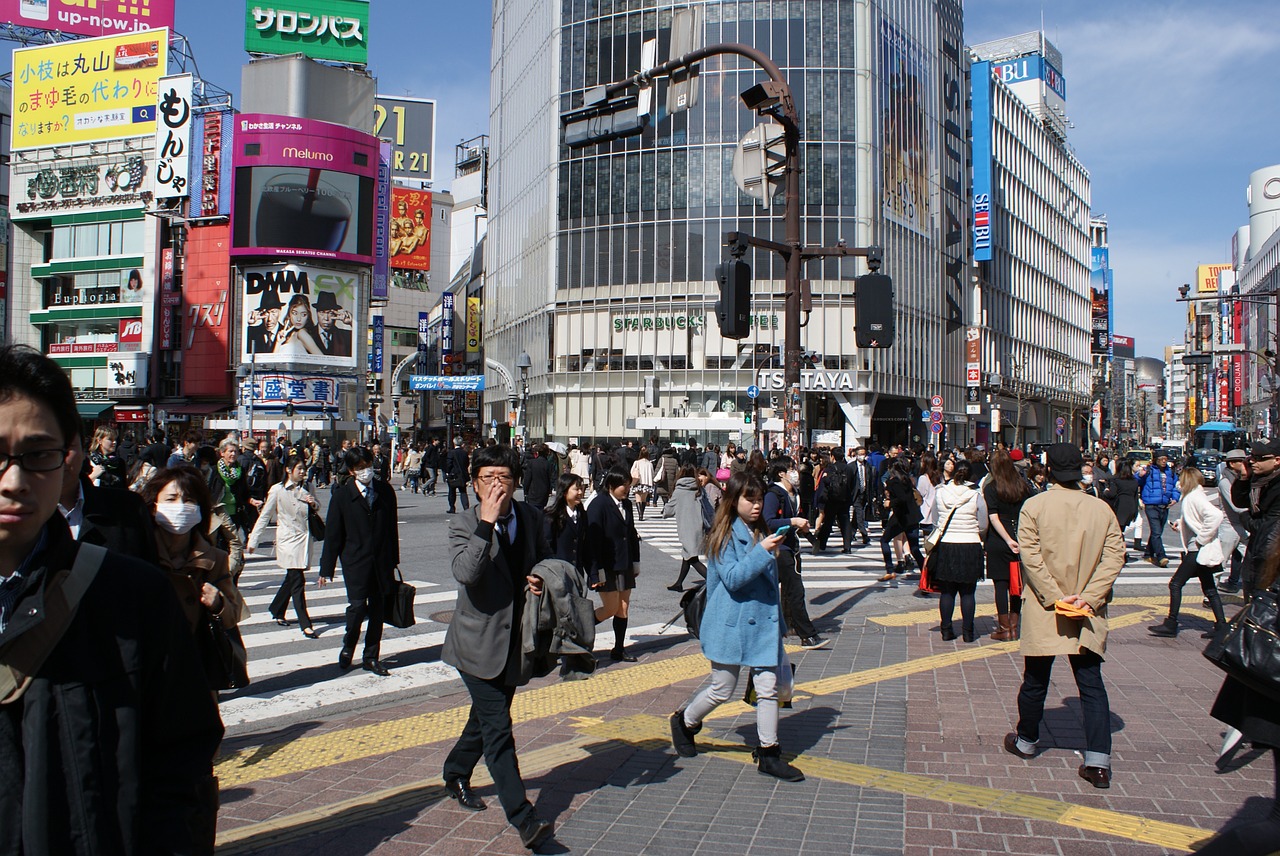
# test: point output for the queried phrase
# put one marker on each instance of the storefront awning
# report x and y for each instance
(197, 408)
(93, 409)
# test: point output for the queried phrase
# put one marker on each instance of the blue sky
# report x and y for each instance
(1173, 104)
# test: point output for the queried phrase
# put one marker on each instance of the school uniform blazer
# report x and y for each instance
(614, 544)
(366, 539)
(478, 640)
(571, 543)
(742, 624)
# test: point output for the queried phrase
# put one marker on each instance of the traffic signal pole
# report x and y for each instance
(774, 99)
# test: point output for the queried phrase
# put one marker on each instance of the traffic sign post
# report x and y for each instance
(1061, 422)
(753, 391)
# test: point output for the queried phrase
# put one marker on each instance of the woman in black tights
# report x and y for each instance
(1257, 717)
(963, 519)
(1004, 495)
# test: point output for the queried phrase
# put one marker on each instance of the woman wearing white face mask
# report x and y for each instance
(179, 500)
(289, 503)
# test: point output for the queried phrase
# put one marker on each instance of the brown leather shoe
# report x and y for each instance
(1011, 746)
(1099, 777)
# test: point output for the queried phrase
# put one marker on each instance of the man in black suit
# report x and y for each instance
(108, 517)
(361, 528)
(863, 478)
(456, 472)
(332, 339)
(260, 336)
(833, 495)
(494, 548)
(538, 477)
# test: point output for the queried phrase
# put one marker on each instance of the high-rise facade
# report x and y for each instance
(1032, 244)
(601, 262)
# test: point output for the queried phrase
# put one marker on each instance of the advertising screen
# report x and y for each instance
(335, 30)
(410, 229)
(1100, 297)
(299, 314)
(303, 188)
(87, 91)
(905, 128)
(78, 18)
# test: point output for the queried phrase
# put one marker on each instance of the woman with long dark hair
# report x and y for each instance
(615, 556)
(902, 517)
(566, 522)
(962, 512)
(1122, 493)
(1257, 718)
(291, 505)
(1004, 495)
(742, 623)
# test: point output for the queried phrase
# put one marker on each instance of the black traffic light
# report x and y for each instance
(873, 300)
(733, 309)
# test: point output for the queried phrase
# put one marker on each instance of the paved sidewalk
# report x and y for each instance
(897, 731)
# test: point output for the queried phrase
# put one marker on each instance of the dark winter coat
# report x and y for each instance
(366, 539)
(122, 702)
(538, 475)
(1122, 496)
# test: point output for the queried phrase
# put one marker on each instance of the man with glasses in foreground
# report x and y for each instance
(1259, 491)
(107, 729)
(494, 545)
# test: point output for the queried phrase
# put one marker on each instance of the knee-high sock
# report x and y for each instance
(619, 632)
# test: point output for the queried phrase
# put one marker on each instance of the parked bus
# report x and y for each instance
(1221, 437)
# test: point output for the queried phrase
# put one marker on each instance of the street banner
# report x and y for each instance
(473, 325)
(172, 155)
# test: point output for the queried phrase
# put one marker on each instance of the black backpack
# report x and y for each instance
(693, 603)
(838, 485)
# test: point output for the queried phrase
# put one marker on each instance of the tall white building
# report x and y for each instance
(600, 263)
(1032, 244)
(1175, 393)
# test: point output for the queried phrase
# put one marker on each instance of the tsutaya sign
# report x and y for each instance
(810, 381)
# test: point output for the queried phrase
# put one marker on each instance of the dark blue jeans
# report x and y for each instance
(1094, 703)
(1157, 518)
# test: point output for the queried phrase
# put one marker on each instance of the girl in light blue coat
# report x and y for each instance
(742, 623)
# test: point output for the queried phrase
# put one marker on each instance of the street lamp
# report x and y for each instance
(523, 363)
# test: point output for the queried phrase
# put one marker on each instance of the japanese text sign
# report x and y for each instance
(88, 17)
(173, 137)
(410, 242)
(88, 90)
(334, 30)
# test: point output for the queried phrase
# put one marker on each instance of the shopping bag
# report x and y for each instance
(1015, 578)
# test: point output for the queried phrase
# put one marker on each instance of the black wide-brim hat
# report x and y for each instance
(327, 302)
(270, 300)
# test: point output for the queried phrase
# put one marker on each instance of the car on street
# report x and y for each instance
(1207, 461)
(1138, 457)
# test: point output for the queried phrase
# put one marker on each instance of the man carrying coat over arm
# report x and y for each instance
(361, 529)
(1072, 551)
(495, 546)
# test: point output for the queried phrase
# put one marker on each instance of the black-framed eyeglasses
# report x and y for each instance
(35, 461)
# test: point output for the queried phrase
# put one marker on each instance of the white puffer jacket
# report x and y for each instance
(969, 524)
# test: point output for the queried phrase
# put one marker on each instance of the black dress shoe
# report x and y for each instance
(1099, 777)
(344, 658)
(620, 656)
(461, 791)
(376, 667)
(535, 830)
(1011, 746)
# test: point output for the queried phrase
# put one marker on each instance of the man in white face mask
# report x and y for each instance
(362, 530)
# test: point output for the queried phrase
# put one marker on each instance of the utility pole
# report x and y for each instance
(773, 98)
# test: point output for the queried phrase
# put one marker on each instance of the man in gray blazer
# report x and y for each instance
(494, 546)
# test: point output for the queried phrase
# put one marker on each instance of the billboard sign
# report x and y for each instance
(446, 383)
(303, 188)
(308, 393)
(172, 157)
(211, 179)
(906, 145)
(411, 229)
(91, 18)
(446, 332)
(80, 185)
(335, 30)
(1100, 298)
(1124, 346)
(87, 91)
(379, 344)
(473, 325)
(982, 159)
(952, 168)
(299, 313)
(1207, 277)
(382, 223)
(207, 321)
(410, 124)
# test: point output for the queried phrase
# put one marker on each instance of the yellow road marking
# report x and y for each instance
(337, 747)
(415, 796)
(565, 697)
(641, 728)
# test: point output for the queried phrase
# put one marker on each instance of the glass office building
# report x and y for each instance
(601, 261)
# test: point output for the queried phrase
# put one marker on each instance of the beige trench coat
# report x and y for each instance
(1070, 543)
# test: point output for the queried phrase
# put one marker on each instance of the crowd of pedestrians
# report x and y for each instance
(119, 563)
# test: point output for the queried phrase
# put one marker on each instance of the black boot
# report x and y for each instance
(966, 630)
(948, 632)
(771, 764)
(1167, 628)
(1219, 616)
(682, 735)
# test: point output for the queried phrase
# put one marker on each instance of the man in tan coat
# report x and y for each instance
(1072, 550)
